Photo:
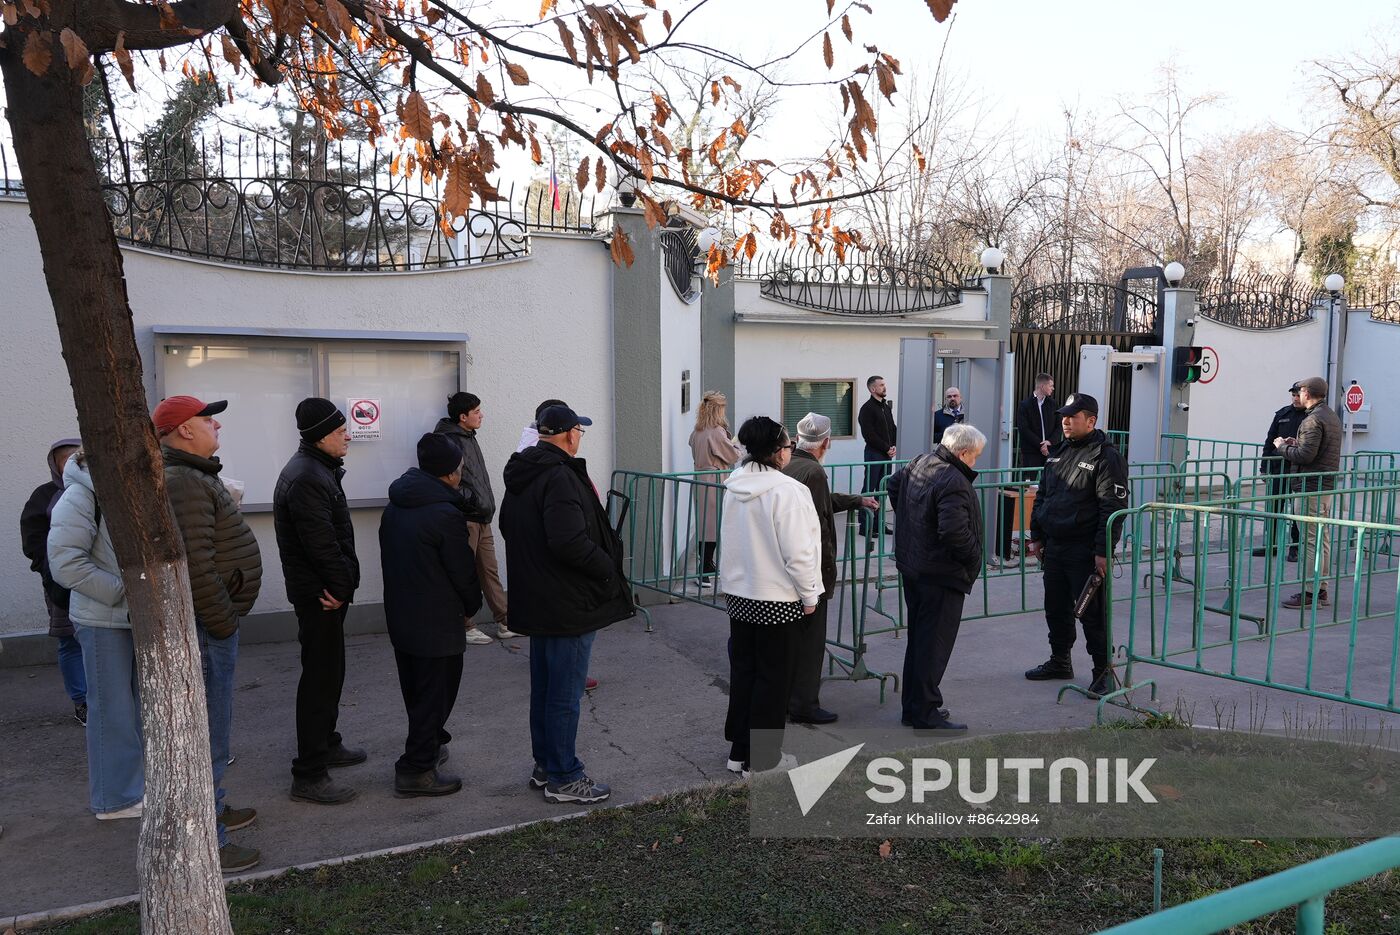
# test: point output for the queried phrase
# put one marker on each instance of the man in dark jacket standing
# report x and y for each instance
(464, 418)
(565, 566)
(1084, 483)
(938, 551)
(429, 589)
(1284, 425)
(878, 429)
(813, 442)
(225, 570)
(1037, 424)
(1314, 458)
(34, 521)
(317, 544)
(949, 415)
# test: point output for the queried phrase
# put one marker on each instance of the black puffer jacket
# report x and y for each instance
(1084, 483)
(482, 499)
(222, 553)
(314, 533)
(430, 585)
(563, 560)
(34, 521)
(939, 533)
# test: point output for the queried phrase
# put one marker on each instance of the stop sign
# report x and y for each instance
(1356, 397)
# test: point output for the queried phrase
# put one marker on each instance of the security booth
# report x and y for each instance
(978, 367)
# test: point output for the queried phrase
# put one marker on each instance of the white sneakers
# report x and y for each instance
(131, 811)
(476, 638)
(785, 762)
(504, 632)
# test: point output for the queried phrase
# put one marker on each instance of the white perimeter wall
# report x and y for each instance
(1373, 360)
(1256, 370)
(539, 327)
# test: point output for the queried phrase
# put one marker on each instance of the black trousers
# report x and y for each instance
(760, 679)
(934, 615)
(322, 637)
(808, 654)
(707, 558)
(1067, 565)
(1032, 458)
(1278, 486)
(429, 685)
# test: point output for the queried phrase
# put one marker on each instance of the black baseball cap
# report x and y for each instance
(556, 420)
(1079, 402)
(1295, 388)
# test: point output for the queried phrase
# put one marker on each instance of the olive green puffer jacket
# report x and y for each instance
(225, 564)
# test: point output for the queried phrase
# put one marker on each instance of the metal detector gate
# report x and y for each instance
(927, 366)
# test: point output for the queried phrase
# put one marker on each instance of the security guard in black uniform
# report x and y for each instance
(1285, 425)
(1085, 481)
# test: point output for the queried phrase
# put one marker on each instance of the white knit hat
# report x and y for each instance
(814, 427)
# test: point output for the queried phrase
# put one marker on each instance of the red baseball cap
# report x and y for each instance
(175, 411)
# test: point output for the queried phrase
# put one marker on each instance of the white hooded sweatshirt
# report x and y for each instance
(771, 541)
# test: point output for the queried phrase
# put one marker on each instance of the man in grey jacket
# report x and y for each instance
(1315, 456)
(464, 418)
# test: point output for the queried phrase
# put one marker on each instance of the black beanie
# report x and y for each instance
(317, 418)
(438, 455)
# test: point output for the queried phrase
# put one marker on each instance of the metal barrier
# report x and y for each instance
(1311, 650)
(1305, 887)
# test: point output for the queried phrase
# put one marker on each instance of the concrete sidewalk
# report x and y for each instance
(655, 725)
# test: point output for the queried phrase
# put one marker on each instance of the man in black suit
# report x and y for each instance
(878, 429)
(1037, 425)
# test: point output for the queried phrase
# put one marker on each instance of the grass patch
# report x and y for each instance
(688, 862)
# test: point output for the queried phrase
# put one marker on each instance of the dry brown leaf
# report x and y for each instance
(645, 163)
(123, 58)
(677, 839)
(827, 55)
(518, 75)
(457, 195)
(666, 19)
(484, 91)
(1375, 785)
(600, 174)
(75, 51)
(29, 8)
(546, 7)
(940, 8)
(38, 51)
(231, 53)
(620, 250)
(846, 29)
(417, 119)
(10, 13)
(581, 176)
(566, 39)
(886, 849)
(1170, 793)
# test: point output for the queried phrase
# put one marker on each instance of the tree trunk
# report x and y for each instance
(181, 884)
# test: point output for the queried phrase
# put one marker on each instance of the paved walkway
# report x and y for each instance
(655, 725)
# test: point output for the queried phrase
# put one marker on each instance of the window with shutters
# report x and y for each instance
(834, 399)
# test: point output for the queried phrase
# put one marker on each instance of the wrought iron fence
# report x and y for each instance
(1083, 306)
(1388, 312)
(1262, 303)
(311, 204)
(680, 251)
(874, 282)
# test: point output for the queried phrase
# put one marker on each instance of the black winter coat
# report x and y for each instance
(943, 420)
(563, 560)
(806, 469)
(877, 424)
(1284, 425)
(430, 585)
(314, 533)
(939, 533)
(1084, 483)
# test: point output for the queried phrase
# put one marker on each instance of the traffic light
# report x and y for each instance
(1186, 366)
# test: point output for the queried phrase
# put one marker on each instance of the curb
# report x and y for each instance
(81, 910)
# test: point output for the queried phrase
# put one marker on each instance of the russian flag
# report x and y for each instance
(553, 186)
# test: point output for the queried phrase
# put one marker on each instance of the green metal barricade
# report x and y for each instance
(1346, 651)
(1305, 887)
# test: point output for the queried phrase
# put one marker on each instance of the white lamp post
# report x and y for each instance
(992, 258)
(1175, 273)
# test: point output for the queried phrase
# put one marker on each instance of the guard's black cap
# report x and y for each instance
(556, 420)
(1079, 402)
(1294, 389)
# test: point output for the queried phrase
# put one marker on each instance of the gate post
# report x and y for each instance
(1178, 323)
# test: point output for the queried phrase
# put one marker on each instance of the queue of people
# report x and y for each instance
(439, 567)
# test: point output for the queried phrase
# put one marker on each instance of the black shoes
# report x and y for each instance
(539, 778)
(410, 785)
(442, 754)
(80, 713)
(1105, 681)
(323, 791)
(1305, 599)
(342, 755)
(1292, 553)
(818, 716)
(1056, 667)
(938, 723)
(908, 722)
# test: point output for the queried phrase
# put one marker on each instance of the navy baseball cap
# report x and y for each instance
(1079, 402)
(556, 420)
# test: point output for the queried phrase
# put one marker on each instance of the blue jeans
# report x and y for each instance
(70, 665)
(558, 670)
(874, 474)
(218, 656)
(115, 777)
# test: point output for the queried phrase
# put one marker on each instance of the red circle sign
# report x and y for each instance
(364, 412)
(1356, 397)
(1210, 365)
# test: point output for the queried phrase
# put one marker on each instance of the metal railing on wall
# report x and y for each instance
(877, 281)
(1261, 303)
(314, 205)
